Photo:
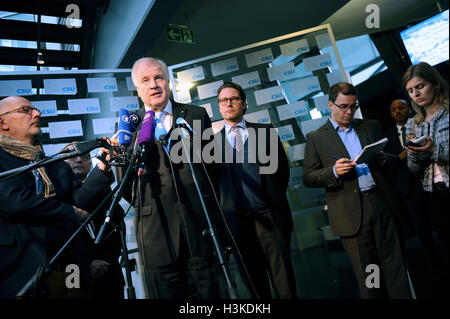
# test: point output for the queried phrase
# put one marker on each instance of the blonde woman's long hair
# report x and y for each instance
(428, 73)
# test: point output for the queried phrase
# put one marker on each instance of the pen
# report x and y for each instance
(409, 136)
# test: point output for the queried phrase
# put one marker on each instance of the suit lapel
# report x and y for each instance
(333, 136)
(361, 132)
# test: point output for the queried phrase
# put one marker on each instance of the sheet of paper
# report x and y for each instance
(184, 96)
(247, 80)
(296, 152)
(272, 94)
(48, 108)
(259, 57)
(191, 75)
(208, 90)
(123, 102)
(96, 85)
(282, 72)
(15, 88)
(258, 117)
(286, 133)
(294, 48)
(83, 106)
(305, 86)
(317, 62)
(321, 102)
(65, 129)
(60, 86)
(292, 110)
(104, 125)
(224, 66)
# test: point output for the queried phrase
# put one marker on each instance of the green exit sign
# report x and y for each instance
(180, 35)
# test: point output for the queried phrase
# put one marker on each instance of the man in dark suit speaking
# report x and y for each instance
(177, 259)
(253, 197)
(359, 199)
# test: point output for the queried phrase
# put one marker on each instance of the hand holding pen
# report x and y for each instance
(343, 165)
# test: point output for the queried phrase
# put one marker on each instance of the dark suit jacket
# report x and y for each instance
(274, 185)
(164, 210)
(399, 174)
(25, 218)
(342, 195)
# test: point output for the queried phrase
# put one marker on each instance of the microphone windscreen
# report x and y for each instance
(124, 128)
(147, 129)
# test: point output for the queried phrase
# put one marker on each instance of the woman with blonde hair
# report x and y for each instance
(429, 96)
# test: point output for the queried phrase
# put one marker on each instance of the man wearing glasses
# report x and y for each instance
(255, 203)
(360, 202)
(31, 203)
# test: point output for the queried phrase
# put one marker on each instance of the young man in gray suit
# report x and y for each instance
(359, 198)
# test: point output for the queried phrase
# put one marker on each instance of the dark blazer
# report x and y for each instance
(274, 185)
(25, 219)
(164, 210)
(342, 195)
(399, 174)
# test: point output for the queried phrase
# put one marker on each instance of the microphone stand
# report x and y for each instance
(100, 236)
(45, 269)
(210, 231)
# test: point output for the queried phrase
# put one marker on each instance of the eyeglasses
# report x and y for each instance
(26, 109)
(345, 107)
(234, 100)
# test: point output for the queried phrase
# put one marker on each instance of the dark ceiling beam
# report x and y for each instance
(23, 30)
(55, 8)
(156, 21)
(21, 56)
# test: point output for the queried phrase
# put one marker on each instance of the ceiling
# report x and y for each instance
(45, 32)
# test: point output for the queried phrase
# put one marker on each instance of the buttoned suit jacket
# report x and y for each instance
(343, 195)
(165, 210)
(273, 185)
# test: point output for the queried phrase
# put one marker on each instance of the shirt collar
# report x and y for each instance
(167, 109)
(337, 127)
(241, 124)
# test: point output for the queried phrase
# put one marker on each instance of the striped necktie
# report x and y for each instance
(237, 138)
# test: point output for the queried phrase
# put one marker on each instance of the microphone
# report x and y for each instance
(146, 136)
(127, 124)
(82, 148)
(182, 121)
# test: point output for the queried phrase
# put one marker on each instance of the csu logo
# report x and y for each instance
(47, 112)
(276, 96)
(21, 91)
(92, 108)
(266, 58)
(74, 132)
(68, 89)
(325, 63)
(254, 81)
(231, 67)
(197, 76)
(110, 87)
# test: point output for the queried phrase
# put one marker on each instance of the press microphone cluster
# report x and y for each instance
(126, 126)
(145, 138)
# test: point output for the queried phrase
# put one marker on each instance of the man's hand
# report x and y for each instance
(98, 268)
(343, 166)
(402, 156)
(81, 214)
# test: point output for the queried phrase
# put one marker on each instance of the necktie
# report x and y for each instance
(38, 181)
(403, 136)
(160, 130)
(237, 138)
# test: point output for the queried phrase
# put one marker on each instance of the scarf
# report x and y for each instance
(28, 152)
